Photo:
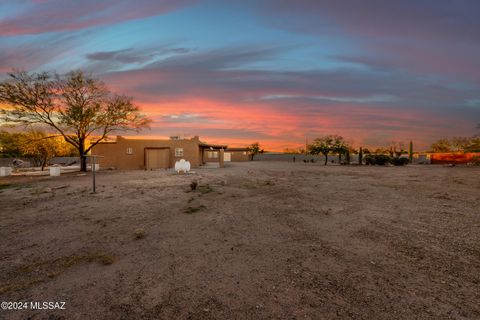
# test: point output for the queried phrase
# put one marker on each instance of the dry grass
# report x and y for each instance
(139, 234)
(205, 188)
(190, 210)
(38, 272)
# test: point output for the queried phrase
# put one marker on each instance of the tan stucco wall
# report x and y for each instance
(238, 156)
(206, 158)
(115, 154)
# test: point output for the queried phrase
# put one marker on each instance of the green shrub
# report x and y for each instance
(476, 160)
(377, 159)
(369, 159)
(400, 161)
(139, 234)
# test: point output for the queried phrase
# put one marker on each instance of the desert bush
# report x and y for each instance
(193, 185)
(205, 188)
(399, 161)
(369, 159)
(190, 210)
(139, 234)
(476, 160)
(377, 159)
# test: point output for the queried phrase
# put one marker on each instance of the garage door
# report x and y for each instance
(227, 156)
(157, 159)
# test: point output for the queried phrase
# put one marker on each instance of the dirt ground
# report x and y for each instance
(255, 240)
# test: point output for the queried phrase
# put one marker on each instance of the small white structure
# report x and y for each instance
(97, 167)
(54, 171)
(5, 171)
(182, 165)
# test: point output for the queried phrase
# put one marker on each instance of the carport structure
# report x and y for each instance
(212, 153)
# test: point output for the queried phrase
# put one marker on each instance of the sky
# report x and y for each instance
(273, 71)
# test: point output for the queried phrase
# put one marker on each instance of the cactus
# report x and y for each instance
(410, 152)
(360, 156)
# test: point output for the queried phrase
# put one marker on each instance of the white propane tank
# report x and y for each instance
(182, 165)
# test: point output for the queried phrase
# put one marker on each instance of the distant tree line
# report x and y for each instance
(457, 144)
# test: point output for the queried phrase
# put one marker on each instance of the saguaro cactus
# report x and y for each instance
(360, 156)
(410, 152)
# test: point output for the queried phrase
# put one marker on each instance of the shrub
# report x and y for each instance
(205, 188)
(139, 234)
(191, 210)
(193, 185)
(377, 159)
(476, 160)
(400, 161)
(382, 159)
(369, 159)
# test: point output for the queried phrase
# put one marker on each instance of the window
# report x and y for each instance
(212, 154)
(129, 150)
(244, 153)
(178, 152)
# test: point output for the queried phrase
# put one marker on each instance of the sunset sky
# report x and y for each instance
(273, 71)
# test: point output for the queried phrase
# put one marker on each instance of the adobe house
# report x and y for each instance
(150, 154)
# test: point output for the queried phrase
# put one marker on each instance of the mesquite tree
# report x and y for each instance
(77, 106)
(322, 145)
(340, 146)
(327, 144)
(254, 149)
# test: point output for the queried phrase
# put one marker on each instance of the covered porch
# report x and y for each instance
(212, 154)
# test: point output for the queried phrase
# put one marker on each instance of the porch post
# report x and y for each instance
(220, 157)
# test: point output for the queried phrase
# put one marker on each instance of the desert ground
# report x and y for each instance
(255, 240)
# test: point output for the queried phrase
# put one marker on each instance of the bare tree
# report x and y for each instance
(77, 106)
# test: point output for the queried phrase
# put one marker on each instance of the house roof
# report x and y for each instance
(237, 149)
(213, 146)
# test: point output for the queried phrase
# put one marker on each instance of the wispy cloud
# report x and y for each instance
(33, 17)
(361, 100)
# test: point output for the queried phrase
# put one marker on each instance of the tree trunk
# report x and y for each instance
(83, 159)
(339, 158)
(326, 158)
(44, 162)
(83, 163)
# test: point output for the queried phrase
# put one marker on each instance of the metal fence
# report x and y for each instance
(28, 163)
(417, 158)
